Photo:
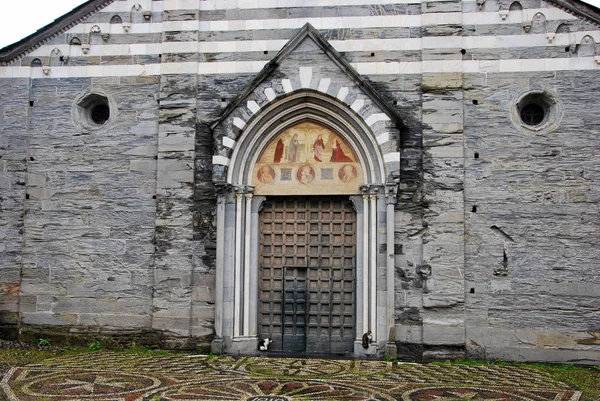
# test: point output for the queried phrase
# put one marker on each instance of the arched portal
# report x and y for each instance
(305, 154)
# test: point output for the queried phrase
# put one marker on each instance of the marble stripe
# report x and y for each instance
(378, 68)
(376, 21)
(349, 46)
(266, 4)
(228, 142)
(221, 160)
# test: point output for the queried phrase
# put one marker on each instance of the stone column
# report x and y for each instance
(243, 341)
(174, 242)
(365, 264)
(254, 266)
(391, 199)
(357, 203)
(222, 194)
(247, 247)
(237, 275)
(367, 253)
(373, 264)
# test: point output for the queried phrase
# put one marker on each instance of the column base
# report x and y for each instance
(243, 346)
(217, 346)
(360, 351)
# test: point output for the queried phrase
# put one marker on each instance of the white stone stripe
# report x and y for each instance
(253, 106)
(380, 68)
(270, 94)
(374, 118)
(324, 85)
(305, 76)
(377, 21)
(287, 85)
(297, 23)
(228, 142)
(230, 67)
(357, 105)
(254, 4)
(383, 138)
(342, 93)
(372, 45)
(221, 160)
(442, 66)
(238, 122)
(392, 157)
(138, 28)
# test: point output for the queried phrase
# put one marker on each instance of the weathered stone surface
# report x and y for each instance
(495, 225)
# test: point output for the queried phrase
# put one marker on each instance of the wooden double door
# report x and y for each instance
(307, 274)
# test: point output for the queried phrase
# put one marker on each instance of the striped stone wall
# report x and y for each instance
(523, 207)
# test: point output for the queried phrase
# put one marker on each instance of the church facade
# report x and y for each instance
(210, 173)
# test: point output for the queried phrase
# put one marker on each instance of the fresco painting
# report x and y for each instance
(307, 159)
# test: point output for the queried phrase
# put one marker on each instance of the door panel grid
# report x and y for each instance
(307, 274)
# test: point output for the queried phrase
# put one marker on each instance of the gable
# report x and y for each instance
(306, 65)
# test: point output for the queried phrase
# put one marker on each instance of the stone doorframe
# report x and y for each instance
(237, 268)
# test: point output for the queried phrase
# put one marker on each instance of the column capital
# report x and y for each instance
(223, 190)
(357, 203)
(257, 203)
(371, 189)
(391, 194)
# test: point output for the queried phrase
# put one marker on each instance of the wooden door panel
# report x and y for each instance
(307, 300)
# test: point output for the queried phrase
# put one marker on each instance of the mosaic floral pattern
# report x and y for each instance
(120, 377)
(286, 390)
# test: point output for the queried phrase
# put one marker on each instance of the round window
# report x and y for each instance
(532, 114)
(92, 111)
(100, 114)
(536, 110)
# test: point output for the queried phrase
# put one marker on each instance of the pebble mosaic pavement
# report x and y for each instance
(129, 377)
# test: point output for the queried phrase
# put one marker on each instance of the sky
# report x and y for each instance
(21, 18)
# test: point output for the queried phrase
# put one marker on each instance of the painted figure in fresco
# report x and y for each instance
(305, 174)
(318, 148)
(293, 149)
(347, 173)
(338, 155)
(266, 175)
(278, 151)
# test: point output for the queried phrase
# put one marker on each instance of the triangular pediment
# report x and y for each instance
(334, 58)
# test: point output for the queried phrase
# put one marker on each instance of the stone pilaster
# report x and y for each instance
(176, 286)
(442, 266)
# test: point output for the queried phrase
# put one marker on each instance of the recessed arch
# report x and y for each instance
(305, 106)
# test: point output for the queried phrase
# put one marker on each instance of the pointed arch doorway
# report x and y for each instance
(309, 149)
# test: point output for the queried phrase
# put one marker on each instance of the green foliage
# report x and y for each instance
(44, 343)
(95, 346)
(389, 358)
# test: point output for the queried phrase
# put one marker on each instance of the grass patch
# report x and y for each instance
(584, 379)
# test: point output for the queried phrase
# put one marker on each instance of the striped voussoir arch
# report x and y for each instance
(351, 96)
